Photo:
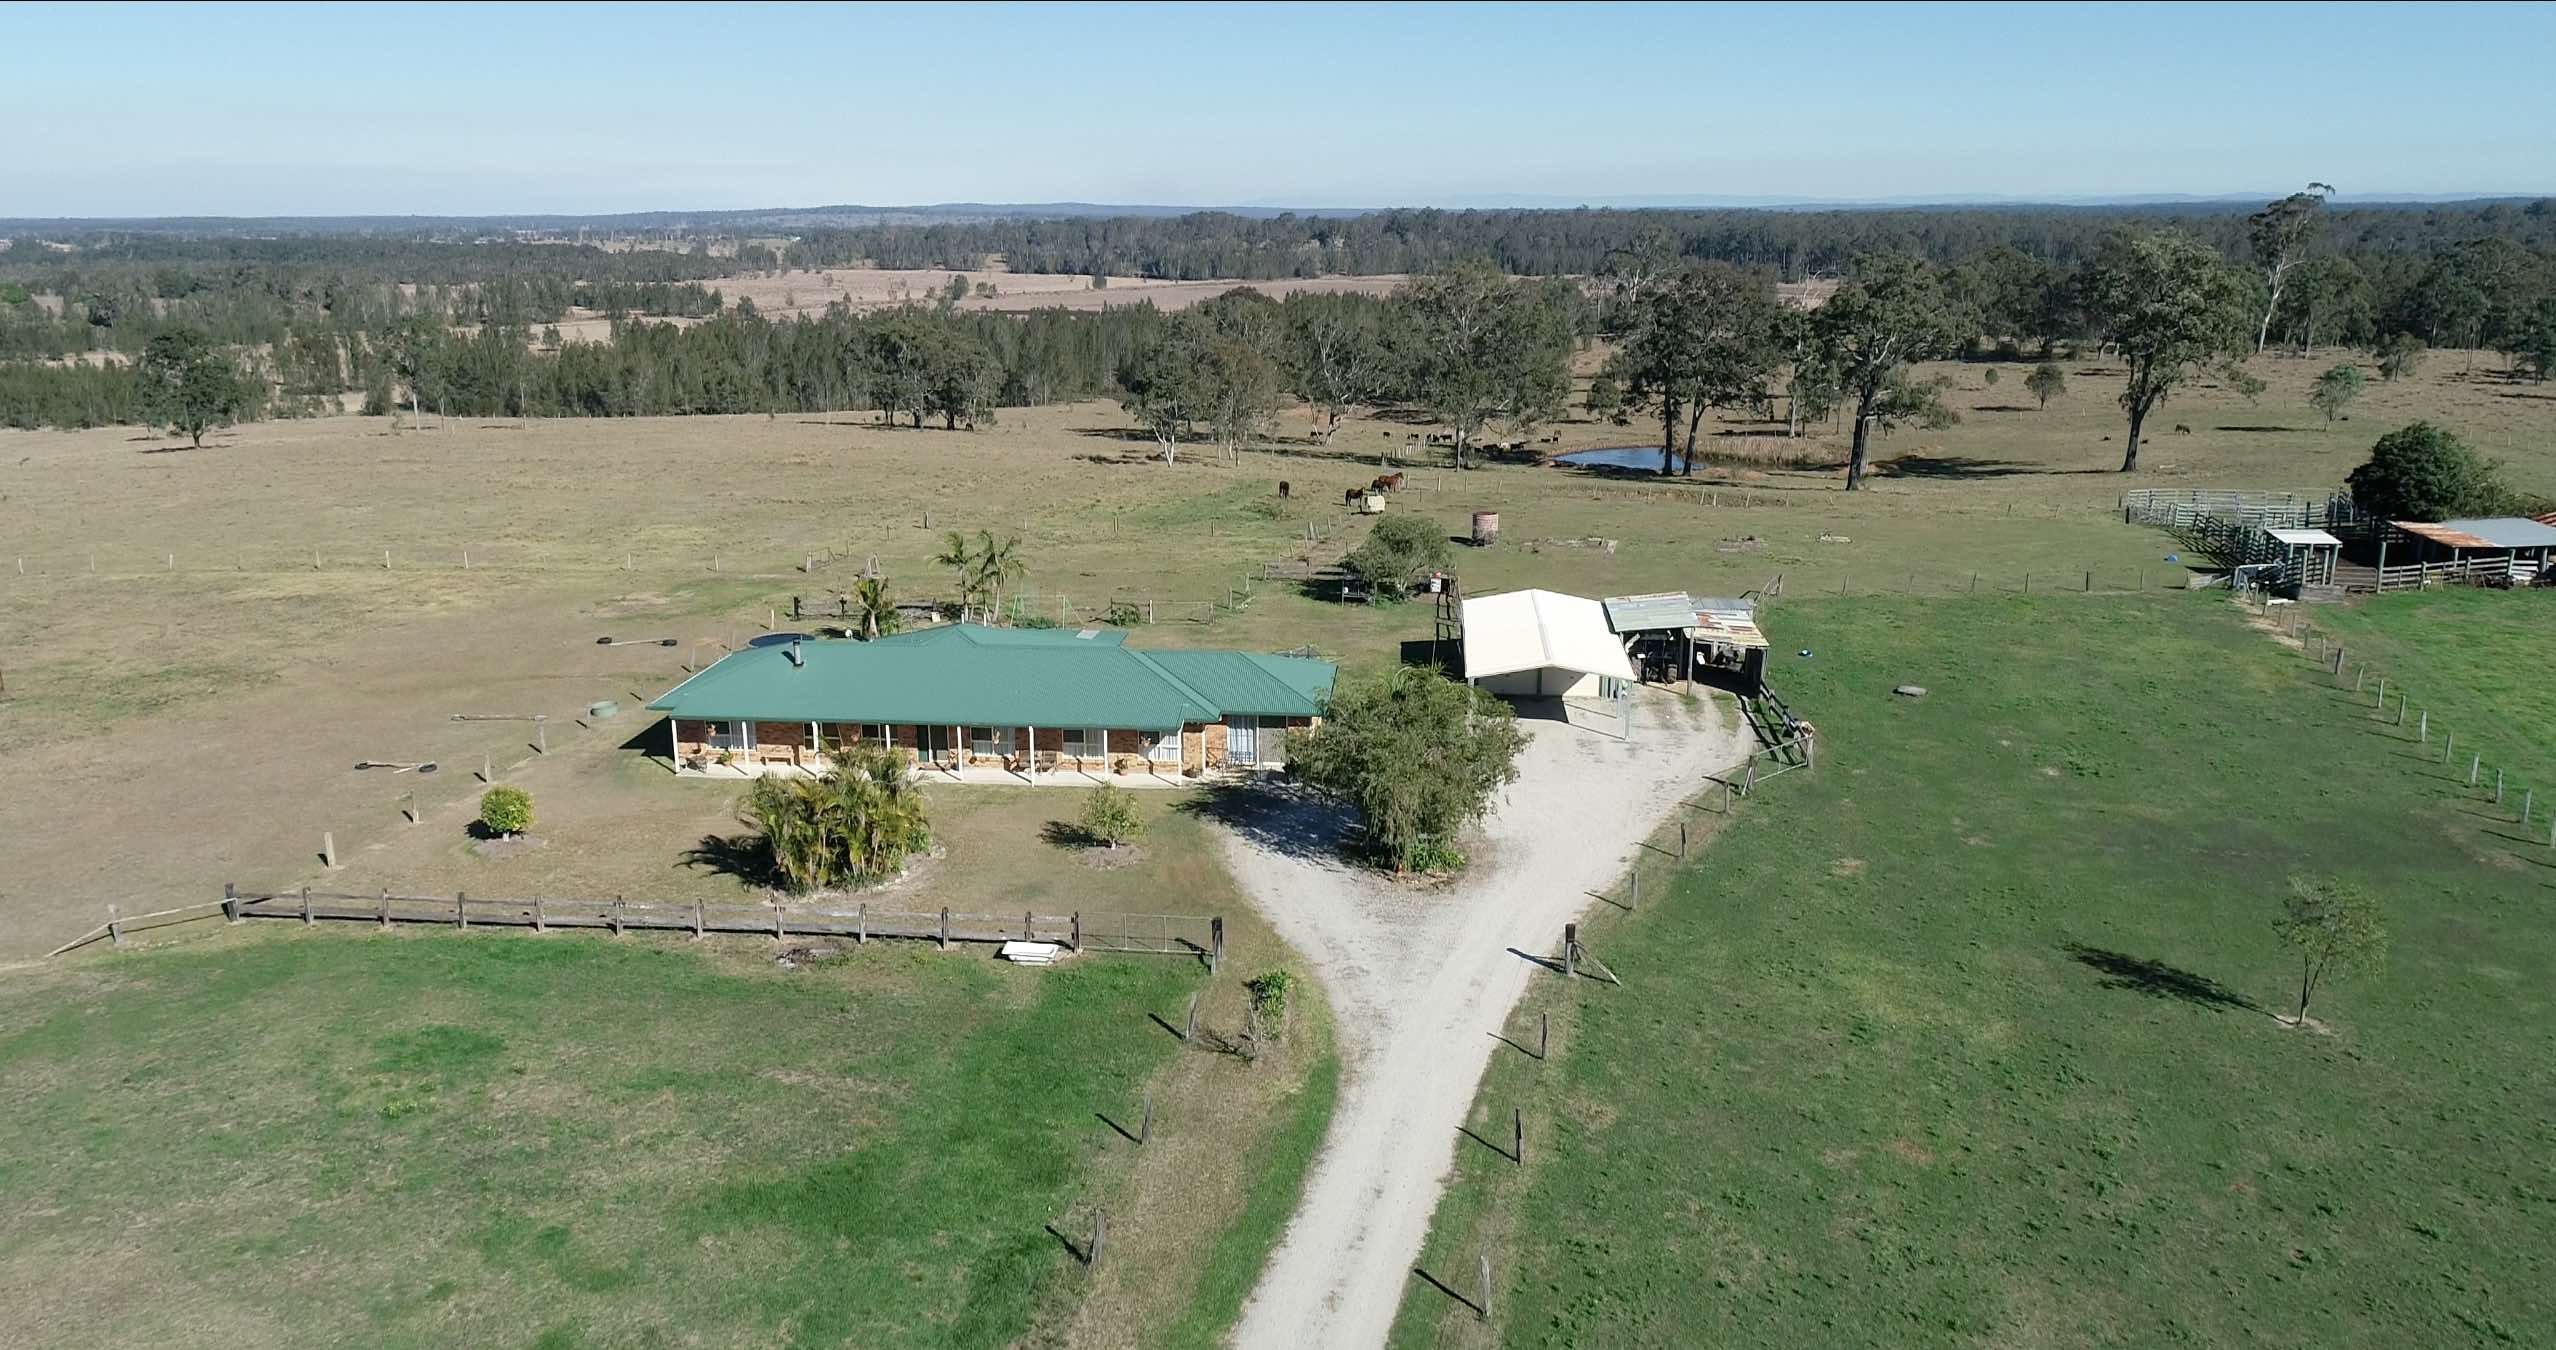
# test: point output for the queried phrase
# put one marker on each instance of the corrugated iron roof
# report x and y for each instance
(1533, 630)
(2483, 532)
(1650, 613)
(1730, 627)
(963, 675)
(2506, 531)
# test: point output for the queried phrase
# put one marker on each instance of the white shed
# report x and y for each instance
(1541, 644)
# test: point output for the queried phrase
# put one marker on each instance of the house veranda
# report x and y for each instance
(978, 704)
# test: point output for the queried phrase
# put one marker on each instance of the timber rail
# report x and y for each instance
(1192, 935)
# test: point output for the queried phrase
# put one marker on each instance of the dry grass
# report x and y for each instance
(199, 723)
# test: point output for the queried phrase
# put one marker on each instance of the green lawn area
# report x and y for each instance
(1965, 1037)
(2478, 659)
(279, 1138)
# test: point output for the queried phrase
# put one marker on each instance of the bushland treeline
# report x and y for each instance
(465, 327)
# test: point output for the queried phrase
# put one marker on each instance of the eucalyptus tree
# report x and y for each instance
(1484, 349)
(2280, 234)
(2172, 307)
(1704, 337)
(1891, 313)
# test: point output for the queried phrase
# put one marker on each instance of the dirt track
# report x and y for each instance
(1422, 981)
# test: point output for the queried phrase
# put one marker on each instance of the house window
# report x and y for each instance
(989, 740)
(1082, 743)
(727, 735)
(1165, 748)
(874, 733)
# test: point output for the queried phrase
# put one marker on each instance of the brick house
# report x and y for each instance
(994, 704)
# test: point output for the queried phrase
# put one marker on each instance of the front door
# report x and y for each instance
(1242, 740)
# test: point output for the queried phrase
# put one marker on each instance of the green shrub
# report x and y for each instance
(1123, 614)
(1269, 999)
(2425, 472)
(506, 810)
(852, 826)
(1397, 550)
(1110, 815)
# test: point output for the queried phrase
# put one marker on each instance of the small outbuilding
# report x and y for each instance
(1677, 637)
(2307, 555)
(2491, 546)
(1542, 644)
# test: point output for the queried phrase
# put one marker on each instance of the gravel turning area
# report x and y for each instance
(1424, 977)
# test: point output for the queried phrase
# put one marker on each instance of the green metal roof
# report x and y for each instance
(966, 675)
(1247, 682)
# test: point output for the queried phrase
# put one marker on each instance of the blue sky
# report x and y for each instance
(339, 109)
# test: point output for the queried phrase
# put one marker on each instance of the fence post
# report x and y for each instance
(1748, 786)
(306, 906)
(1726, 796)
(2400, 707)
(1637, 885)
(2529, 801)
(780, 921)
(1077, 943)
(2474, 764)
(2449, 746)
(1216, 945)
(461, 909)
(945, 928)
(2382, 693)
(115, 926)
(1100, 1238)
(2423, 727)
(2498, 787)
(1517, 1135)
(1485, 1272)
(381, 908)
(1145, 1126)
(1025, 927)
(1190, 1028)
(328, 848)
(1543, 1034)
(231, 902)
(698, 916)
(1571, 951)
(1681, 838)
(616, 916)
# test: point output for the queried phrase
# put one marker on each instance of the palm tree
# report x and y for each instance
(853, 825)
(955, 554)
(875, 607)
(998, 565)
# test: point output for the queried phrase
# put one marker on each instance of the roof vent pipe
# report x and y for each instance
(797, 658)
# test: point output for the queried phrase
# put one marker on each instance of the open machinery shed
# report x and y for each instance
(1542, 644)
(1680, 637)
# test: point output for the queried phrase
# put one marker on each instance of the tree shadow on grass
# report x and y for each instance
(1286, 819)
(2156, 979)
(747, 857)
(1067, 834)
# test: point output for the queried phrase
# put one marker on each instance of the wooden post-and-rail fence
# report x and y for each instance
(1193, 935)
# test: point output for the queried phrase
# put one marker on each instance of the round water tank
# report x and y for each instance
(1486, 528)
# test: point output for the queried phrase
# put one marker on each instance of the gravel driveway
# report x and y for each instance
(1423, 980)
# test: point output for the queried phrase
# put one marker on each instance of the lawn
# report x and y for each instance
(1966, 1037)
(344, 1136)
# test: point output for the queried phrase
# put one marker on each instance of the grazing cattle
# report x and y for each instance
(1282, 489)
(1387, 482)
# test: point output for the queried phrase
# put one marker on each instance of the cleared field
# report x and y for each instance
(207, 649)
(1966, 1036)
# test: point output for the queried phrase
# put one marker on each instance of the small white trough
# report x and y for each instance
(1032, 953)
